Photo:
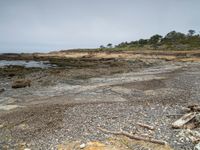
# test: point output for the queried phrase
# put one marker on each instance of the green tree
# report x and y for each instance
(174, 37)
(143, 42)
(109, 45)
(122, 45)
(102, 47)
(155, 39)
(191, 32)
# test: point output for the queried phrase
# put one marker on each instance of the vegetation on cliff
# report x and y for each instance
(171, 41)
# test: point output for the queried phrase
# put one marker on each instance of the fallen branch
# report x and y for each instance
(183, 120)
(194, 107)
(146, 126)
(174, 115)
(136, 137)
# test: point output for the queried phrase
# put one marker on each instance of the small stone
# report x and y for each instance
(197, 118)
(1, 126)
(182, 141)
(175, 141)
(187, 139)
(197, 147)
(23, 144)
(27, 149)
(82, 146)
(2, 90)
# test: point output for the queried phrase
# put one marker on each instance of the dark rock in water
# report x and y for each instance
(2, 90)
(21, 83)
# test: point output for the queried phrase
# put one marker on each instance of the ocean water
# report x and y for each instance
(27, 64)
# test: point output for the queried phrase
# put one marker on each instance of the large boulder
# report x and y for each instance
(21, 83)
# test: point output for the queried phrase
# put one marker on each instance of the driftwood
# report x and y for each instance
(190, 120)
(180, 123)
(190, 125)
(174, 115)
(136, 137)
(146, 126)
(194, 107)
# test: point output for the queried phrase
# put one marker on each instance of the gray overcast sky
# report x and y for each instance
(45, 25)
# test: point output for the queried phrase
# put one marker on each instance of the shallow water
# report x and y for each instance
(27, 64)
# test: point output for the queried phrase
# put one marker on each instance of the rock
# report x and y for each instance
(82, 146)
(1, 126)
(191, 135)
(11, 75)
(21, 83)
(197, 118)
(2, 90)
(197, 147)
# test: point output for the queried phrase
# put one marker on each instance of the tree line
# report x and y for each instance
(172, 40)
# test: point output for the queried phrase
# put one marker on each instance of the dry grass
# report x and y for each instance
(192, 55)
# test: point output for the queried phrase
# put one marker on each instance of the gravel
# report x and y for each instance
(157, 101)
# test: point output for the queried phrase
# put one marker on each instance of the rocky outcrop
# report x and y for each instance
(21, 83)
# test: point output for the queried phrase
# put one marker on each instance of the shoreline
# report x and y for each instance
(110, 90)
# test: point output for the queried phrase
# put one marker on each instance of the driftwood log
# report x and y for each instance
(194, 107)
(136, 137)
(146, 126)
(183, 120)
